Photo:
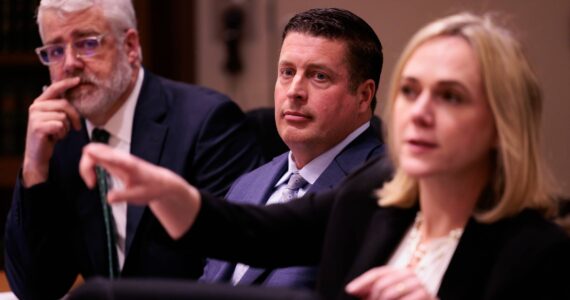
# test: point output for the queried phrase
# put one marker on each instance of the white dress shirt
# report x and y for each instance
(120, 128)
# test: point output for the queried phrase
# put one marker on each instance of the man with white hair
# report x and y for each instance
(57, 228)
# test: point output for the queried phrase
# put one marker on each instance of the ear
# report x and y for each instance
(132, 46)
(364, 93)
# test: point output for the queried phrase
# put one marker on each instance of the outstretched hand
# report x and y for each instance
(173, 201)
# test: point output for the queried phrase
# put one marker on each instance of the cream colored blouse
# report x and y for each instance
(428, 260)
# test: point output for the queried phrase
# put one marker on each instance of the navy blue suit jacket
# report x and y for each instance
(55, 229)
(257, 186)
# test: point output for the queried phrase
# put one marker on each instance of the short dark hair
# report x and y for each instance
(364, 50)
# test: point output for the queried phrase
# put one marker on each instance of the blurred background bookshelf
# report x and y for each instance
(21, 79)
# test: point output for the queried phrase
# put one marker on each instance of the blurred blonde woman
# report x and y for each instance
(462, 218)
(464, 127)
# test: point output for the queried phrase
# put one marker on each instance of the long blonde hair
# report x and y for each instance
(520, 178)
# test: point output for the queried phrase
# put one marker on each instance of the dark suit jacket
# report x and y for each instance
(257, 186)
(521, 257)
(55, 229)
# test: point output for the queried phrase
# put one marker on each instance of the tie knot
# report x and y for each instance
(296, 181)
(100, 136)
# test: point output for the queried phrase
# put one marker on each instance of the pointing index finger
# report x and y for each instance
(56, 89)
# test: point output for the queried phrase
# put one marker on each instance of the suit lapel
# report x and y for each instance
(385, 231)
(470, 263)
(265, 180)
(147, 141)
(332, 175)
(149, 130)
(350, 158)
(259, 188)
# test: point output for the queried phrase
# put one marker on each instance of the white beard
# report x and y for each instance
(94, 97)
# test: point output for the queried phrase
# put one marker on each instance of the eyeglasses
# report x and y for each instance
(85, 47)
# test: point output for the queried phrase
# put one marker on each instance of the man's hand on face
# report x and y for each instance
(50, 119)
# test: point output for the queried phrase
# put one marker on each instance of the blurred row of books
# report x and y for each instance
(21, 75)
(19, 86)
(18, 29)
(14, 103)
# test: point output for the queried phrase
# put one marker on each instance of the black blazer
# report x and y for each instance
(55, 229)
(522, 257)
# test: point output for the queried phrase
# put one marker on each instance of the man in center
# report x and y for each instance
(325, 94)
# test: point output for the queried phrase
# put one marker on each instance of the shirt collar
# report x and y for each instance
(313, 170)
(120, 125)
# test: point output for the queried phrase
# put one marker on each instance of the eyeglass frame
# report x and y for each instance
(97, 38)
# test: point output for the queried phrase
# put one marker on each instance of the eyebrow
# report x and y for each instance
(321, 67)
(455, 84)
(74, 35)
(284, 63)
(439, 82)
(451, 83)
